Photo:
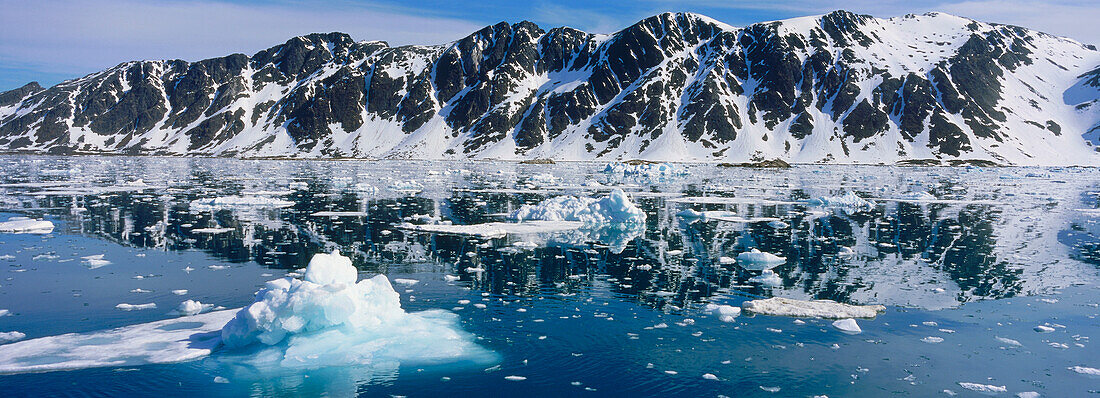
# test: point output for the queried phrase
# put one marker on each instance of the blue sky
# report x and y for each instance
(54, 40)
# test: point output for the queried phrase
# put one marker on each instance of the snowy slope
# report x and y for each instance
(837, 88)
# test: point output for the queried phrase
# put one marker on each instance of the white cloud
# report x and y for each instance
(78, 37)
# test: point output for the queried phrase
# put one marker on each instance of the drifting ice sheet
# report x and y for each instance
(24, 225)
(827, 309)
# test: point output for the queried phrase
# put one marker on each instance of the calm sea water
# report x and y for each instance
(998, 253)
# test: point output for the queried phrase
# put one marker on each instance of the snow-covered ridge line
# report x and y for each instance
(835, 88)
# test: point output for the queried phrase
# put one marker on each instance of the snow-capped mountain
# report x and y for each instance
(837, 88)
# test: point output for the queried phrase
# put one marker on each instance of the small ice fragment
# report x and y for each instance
(451, 278)
(932, 339)
(1008, 341)
(24, 225)
(778, 224)
(755, 256)
(1086, 370)
(726, 260)
(95, 261)
(767, 278)
(179, 292)
(220, 380)
(661, 325)
(140, 290)
(828, 309)
(847, 325)
(515, 378)
(726, 313)
(770, 389)
(463, 302)
(135, 307)
(710, 376)
(192, 307)
(406, 282)
(5, 313)
(1027, 394)
(1044, 329)
(8, 337)
(983, 388)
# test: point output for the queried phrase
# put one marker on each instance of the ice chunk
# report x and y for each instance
(710, 376)
(1008, 341)
(1086, 370)
(4, 312)
(96, 261)
(811, 309)
(238, 202)
(24, 225)
(615, 208)
(496, 229)
(1044, 329)
(848, 202)
(173, 340)
(758, 260)
(192, 307)
(406, 186)
(726, 313)
(847, 325)
(767, 278)
(515, 378)
(329, 319)
(136, 307)
(1028, 394)
(407, 282)
(8, 337)
(643, 169)
(179, 292)
(983, 388)
(932, 339)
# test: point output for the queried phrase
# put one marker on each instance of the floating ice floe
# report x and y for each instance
(406, 282)
(848, 202)
(211, 231)
(757, 260)
(932, 339)
(1087, 371)
(847, 325)
(191, 307)
(496, 229)
(340, 214)
(330, 319)
(726, 313)
(8, 337)
(406, 186)
(173, 340)
(767, 278)
(644, 169)
(24, 225)
(983, 388)
(229, 202)
(828, 309)
(616, 208)
(326, 319)
(136, 307)
(96, 261)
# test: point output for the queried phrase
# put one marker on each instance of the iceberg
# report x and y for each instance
(726, 313)
(643, 169)
(757, 260)
(767, 278)
(827, 309)
(847, 325)
(328, 318)
(231, 202)
(616, 208)
(325, 319)
(849, 202)
(24, 225)
(191, 307)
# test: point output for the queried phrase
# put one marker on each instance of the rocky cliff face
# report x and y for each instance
(839, 88)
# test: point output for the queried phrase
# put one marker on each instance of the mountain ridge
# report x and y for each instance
(836, 88)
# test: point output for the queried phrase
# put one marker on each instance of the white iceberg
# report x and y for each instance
(726, 313)
(757, 260)
(24, 225)
(136, 307)
(767, 278)
(8, 337)
(643, 169)
(828, 309)
(330, 319)
(231, 202)
(96, 261)
(192, 307)
(848, 202)
(615, 208)
(983, 388)
(847, 325)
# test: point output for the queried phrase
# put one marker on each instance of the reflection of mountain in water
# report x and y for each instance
(925, 254)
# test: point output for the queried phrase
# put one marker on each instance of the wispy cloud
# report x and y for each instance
(76, 37)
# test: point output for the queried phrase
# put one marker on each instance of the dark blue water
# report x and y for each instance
(1000, 252)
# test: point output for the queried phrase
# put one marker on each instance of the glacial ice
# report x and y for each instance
(615, 208)
(294, 324)
(96, 261)
(827, 309)
(847, 325)
(8, 337)
(24, 225)
(643, 169)
(767, 278)
(983, 388)
(329, 319)
(726, 313)
(236, 202)
(757, 260)
(1086, 370)
(848, 202)
(136, 307)
(192, 307)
